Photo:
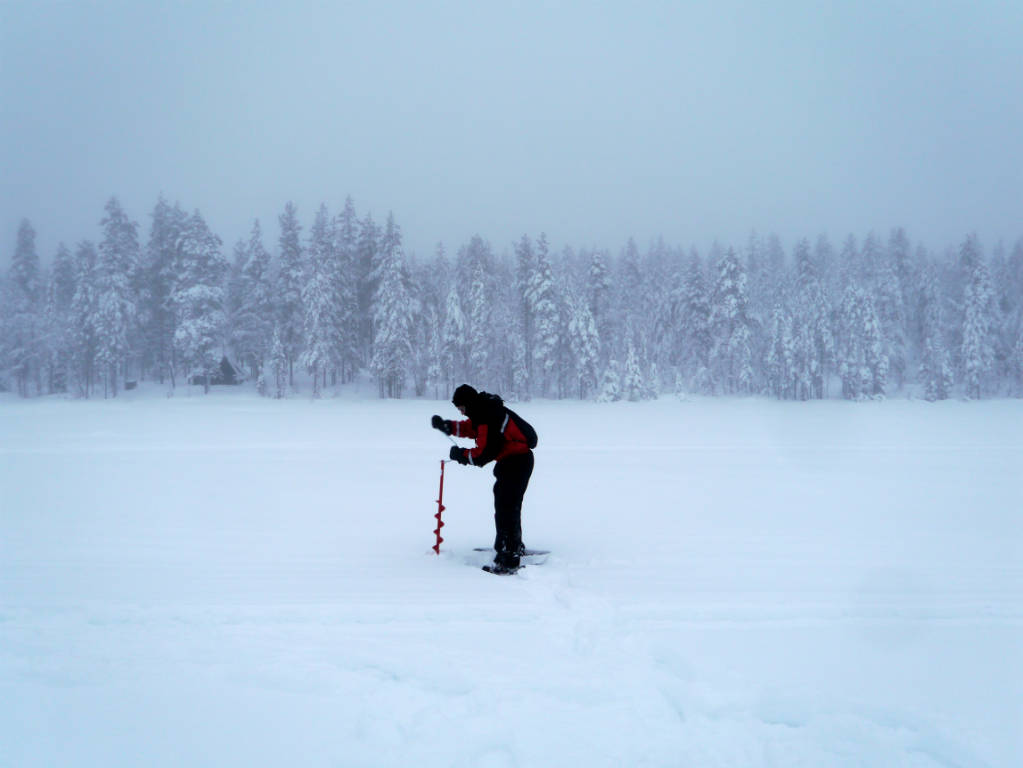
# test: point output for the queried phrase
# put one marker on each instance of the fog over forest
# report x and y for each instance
(336, 298)
(796, 200)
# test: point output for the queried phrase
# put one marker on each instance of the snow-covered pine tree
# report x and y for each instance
(815, 344)
(585, 345)
(546, 319)
(346, 249)
(565, 380)
(610, 383)
(504, 333)
(525, 267)
(693, 339)
(1007, 296)
(84, 304)
(1012, 326)
(828, 270)
(772, 286)
(775, 255)
(424, 360)
(848, 270)
(863, 365)
(891, 303)
(6, 316)
(760, 281)
(478, 326)
(291, 279)
(731, 329)
(936, 373)
(520, 389)
(161, 270)
(977, 352)
(627, 299)
(392, 323)
(870, 258)
(234, 299)
(780, 363)
(116, 311)
(1016, 367)
(454, 352)
(274, 377)
(25, 270)
(803, 363)
(633, 386)
(632, 297)
(665, 339)
(198, 301)
(598, 294)
(322, 328)
(60, 290)
(254, 321)
(425, 346)
(22, 314)
(368, 273)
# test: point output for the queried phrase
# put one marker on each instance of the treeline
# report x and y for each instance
(865, 320)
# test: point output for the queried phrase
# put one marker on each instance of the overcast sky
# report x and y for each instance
(592, 122)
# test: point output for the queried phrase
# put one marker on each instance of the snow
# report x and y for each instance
(230, 580)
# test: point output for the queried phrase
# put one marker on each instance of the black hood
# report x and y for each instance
(464, 396)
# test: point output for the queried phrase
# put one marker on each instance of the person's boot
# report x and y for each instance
(504, 563)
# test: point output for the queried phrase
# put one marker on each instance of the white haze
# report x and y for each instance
(692, 121)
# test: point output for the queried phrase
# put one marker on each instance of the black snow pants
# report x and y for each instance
(512, 475)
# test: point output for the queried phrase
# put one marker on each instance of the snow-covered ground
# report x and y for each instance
(227, 580)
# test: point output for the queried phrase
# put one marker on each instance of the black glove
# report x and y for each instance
(443, 426)
(458, 454)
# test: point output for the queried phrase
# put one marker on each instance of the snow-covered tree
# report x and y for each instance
(862, 365)
(890, 292)
(610, 383)
(161, 274)
(692, 314)
(1016, 367)
(598, 294)
(585, 346)
(936, 373)
(424, 361)
(731, 329)
(478, 315)
(781, 370)
(633, 386)
(814, 342)
(21, 343)
(198, 302)
(60, 292)
(392, 322)
(116, 310)
(234, 298)
(368, 274)
(323, 331)
(254, 318)
(25, 271)
(454, 351)
(273, 379)
(542, 296)
(346, 287)
(526, 267)
(84, 333)
(290, 282)
(977, 352)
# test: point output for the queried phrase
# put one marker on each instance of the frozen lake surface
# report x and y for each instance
(228, 580)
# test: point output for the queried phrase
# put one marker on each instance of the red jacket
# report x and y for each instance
(496, 439)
